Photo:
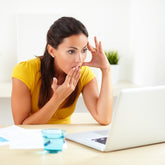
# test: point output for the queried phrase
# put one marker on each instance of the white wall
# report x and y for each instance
(133, 27)
(5, 112)
(102, 18)
(148, 41)
(107, 19)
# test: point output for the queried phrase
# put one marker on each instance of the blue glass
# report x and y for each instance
(53, 139)
(3, 139)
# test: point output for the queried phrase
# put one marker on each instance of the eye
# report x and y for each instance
(71, 51)
(84, 50)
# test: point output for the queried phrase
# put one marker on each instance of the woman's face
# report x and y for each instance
(70, 53)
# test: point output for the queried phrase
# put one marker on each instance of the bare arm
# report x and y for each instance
(99, 104)
(21, 100)
(21, 106)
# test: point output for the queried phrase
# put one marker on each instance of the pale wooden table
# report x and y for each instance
(76, 154)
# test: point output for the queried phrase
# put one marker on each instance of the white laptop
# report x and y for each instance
(138, 120)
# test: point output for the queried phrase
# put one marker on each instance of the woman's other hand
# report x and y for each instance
(99, 60)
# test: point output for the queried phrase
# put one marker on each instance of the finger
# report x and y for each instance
(100, 48)
(75, 77)
(96, 43)
(69, 75)
(76, 80)
(90, 48)
(54, 83)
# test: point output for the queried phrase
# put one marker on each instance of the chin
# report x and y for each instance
(66, 72)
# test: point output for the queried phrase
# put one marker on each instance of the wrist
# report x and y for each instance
(106, 69)
(55, 100)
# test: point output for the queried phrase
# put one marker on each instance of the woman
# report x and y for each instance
(45, 89)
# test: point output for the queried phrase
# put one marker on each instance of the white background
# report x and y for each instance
(133, 27)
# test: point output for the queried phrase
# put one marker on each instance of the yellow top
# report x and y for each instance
(29, 73)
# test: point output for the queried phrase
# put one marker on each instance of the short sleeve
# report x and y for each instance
(86, 76)
(26, 72)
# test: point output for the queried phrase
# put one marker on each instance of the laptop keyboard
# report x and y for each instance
(101, 140)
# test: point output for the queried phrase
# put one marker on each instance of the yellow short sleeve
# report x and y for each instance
(26, 72)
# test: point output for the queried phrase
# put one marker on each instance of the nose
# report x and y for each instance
(78, 58)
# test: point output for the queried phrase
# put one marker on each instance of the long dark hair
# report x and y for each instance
(62, 28)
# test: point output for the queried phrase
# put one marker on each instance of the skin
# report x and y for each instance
(69, 57)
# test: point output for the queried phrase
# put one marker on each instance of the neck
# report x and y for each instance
(60, 79)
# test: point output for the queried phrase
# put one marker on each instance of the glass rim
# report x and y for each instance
(53, 130)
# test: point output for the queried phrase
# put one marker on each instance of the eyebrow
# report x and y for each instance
(76, 48)
(73, 47)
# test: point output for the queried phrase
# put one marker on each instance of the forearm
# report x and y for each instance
(43, 115)
(105, 100)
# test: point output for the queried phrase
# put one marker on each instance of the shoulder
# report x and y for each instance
(26, 71)
(32, 63)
